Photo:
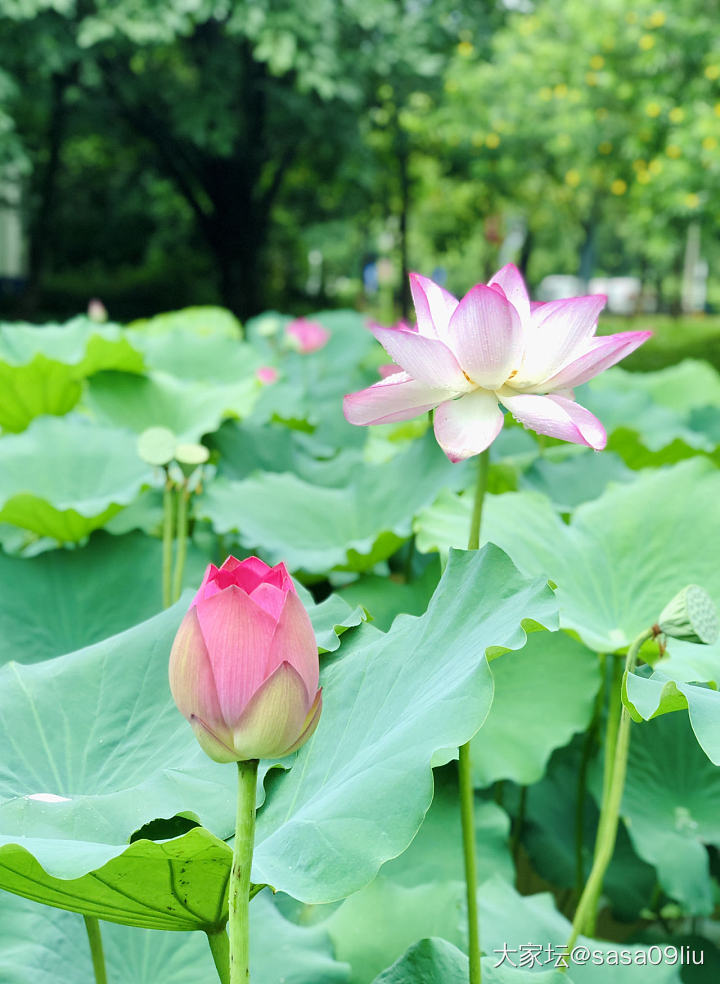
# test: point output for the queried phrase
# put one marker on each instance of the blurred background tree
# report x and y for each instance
(260, 154)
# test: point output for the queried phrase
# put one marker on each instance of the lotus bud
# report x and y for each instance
(306, 336)
(691, 616)
(244, 664)
(97, 311)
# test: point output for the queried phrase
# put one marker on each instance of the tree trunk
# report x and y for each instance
(40, 226)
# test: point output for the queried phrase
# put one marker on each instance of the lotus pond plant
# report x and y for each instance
(465, 359)
(313, 695)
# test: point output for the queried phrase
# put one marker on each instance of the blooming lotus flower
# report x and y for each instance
(307, 336)
(244, 664)
(465, 359)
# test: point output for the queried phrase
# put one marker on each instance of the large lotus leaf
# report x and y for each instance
(331, 618)
(189, 409)
(672, 808)
(436, 961)
(392, 703)
(435, 854)
(656, 404)
(316, 527)
(575, 479)
(706, 420)
(247, 448)
(94, 747)
(682, 387)
(619, 560)
(422, 892)
(218, 359)
(204, 321)
(385, 598)
(66, 477)
(42, 368)
(550, 833)
(180, 884)
(51, 947)
(513, 924)
(648, 696)
(543, 695)
(85, 594)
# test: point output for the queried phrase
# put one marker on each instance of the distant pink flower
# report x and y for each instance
(97, 311)
(308, 336)
(493, 347)
(267, 374)
(244, 664)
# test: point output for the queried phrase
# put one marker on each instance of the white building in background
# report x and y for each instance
(624, 294)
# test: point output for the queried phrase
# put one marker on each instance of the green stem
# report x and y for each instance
(587, 749)
(467, 817)
(182, 531)
(608, 831)
(220, 949)
(167, 543)
(465, 780)
(239, 902)
(516, 836)
(611, 737)
(96, 948)
(483, 467)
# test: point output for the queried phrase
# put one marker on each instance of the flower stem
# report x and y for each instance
(465, 780)
(467, 818)
(92, 926)
(220, 949)
(239, 902)
(587, 749)
(607, 832)
(167, 543)
(483, 465)
(182, 531)
(611, 736)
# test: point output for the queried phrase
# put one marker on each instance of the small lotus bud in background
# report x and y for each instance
(691, 616)
(97, 311)
(266, 375)
(306, 336)
(244, 664)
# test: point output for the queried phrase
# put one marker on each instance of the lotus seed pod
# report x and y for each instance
(691, 616)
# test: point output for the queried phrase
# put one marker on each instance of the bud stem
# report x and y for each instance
(239, 902)
(92, 926)
(607, 831)
(465, 780)
(182, 531)
(167, 543)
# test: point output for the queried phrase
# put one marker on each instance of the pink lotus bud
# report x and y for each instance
(244, 664)
(97, 311)
(267, 374)
(307, 336)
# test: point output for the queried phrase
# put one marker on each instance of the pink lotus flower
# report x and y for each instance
(266, 375)
(493, 347)
(307, 336)
(244, 664)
